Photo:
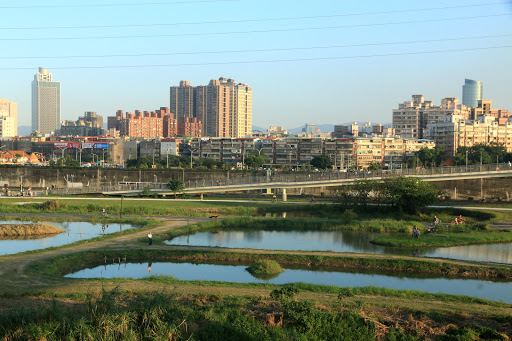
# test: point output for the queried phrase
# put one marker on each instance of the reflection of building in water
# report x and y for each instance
(499, 253)
(223, 237)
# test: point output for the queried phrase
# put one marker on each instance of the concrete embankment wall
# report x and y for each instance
(45, 176)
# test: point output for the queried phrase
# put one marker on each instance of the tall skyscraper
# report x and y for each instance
(45, 103)
(240, 108)
(472, 92)
(223, 106)
(8, 118)
(182, 100)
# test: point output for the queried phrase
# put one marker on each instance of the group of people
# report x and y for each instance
(415, 232)
(458, 220)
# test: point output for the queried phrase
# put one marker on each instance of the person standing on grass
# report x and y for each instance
(150, 238)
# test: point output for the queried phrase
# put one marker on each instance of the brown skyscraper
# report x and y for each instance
(182, 100)
(223, 106)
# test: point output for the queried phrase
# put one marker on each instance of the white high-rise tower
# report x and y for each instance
(45, 103)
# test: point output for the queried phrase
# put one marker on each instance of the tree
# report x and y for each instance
(409, 194)
(321, 162)
(481, 152)
(431, 157)
(255, 161)
(175, 186)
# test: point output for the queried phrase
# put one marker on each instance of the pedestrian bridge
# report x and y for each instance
(297, 180)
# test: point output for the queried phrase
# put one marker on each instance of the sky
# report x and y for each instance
(323, 61)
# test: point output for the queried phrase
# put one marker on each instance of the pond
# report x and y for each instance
(496, 291)
(75, 231)
(338, 241)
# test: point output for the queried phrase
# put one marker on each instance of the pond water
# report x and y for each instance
(496, 291)
(338, 241)
(75, 231)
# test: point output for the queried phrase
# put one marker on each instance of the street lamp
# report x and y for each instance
(192, 151)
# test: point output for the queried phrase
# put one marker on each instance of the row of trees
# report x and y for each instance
(403, 194)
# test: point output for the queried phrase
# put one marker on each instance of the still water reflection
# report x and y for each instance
(338, 241)
(75, 231)
(187, 271)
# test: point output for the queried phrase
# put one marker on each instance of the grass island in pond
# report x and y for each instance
(28, 230)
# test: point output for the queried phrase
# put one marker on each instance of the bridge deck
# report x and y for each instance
(286, 181)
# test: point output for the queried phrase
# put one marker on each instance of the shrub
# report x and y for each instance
(265, 269)
(348, 217)
(51, 205)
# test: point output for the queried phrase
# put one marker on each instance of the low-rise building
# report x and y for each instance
(456, 132)
(88, 125)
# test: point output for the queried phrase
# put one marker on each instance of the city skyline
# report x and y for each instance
(319, 52)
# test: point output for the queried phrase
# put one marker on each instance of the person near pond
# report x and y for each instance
(150, 238)
(312, 199)
(274, 198)
(459, 219)
(415, 232)
(436, 221)
(456, 221)
(104, 211)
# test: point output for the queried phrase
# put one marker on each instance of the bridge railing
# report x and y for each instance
(337, 175)
(292, 177)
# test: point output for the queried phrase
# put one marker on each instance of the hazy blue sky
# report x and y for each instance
(319, 90)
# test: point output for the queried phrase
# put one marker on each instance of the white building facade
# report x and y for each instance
(45, 103)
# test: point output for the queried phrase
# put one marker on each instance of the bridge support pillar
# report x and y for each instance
(269, 190)
(285, 196)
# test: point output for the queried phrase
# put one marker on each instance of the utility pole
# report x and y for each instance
(466, 160)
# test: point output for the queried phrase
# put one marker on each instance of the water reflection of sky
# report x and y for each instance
(338, 241)
(74, 231)
(496, 291)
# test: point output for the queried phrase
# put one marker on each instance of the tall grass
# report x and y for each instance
(160, 316)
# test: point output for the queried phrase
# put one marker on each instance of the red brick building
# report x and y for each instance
(190, 127)
(151, 124)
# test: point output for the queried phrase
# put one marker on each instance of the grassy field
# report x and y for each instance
(446, 239)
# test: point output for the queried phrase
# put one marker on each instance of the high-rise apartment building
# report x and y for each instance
(240, 108)
(223, 106)
(182, 100)
(45, 103)
(472, 92)
(8, 118)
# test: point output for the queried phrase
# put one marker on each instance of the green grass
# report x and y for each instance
(265, 269)
(151, 208)
(446, 239)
